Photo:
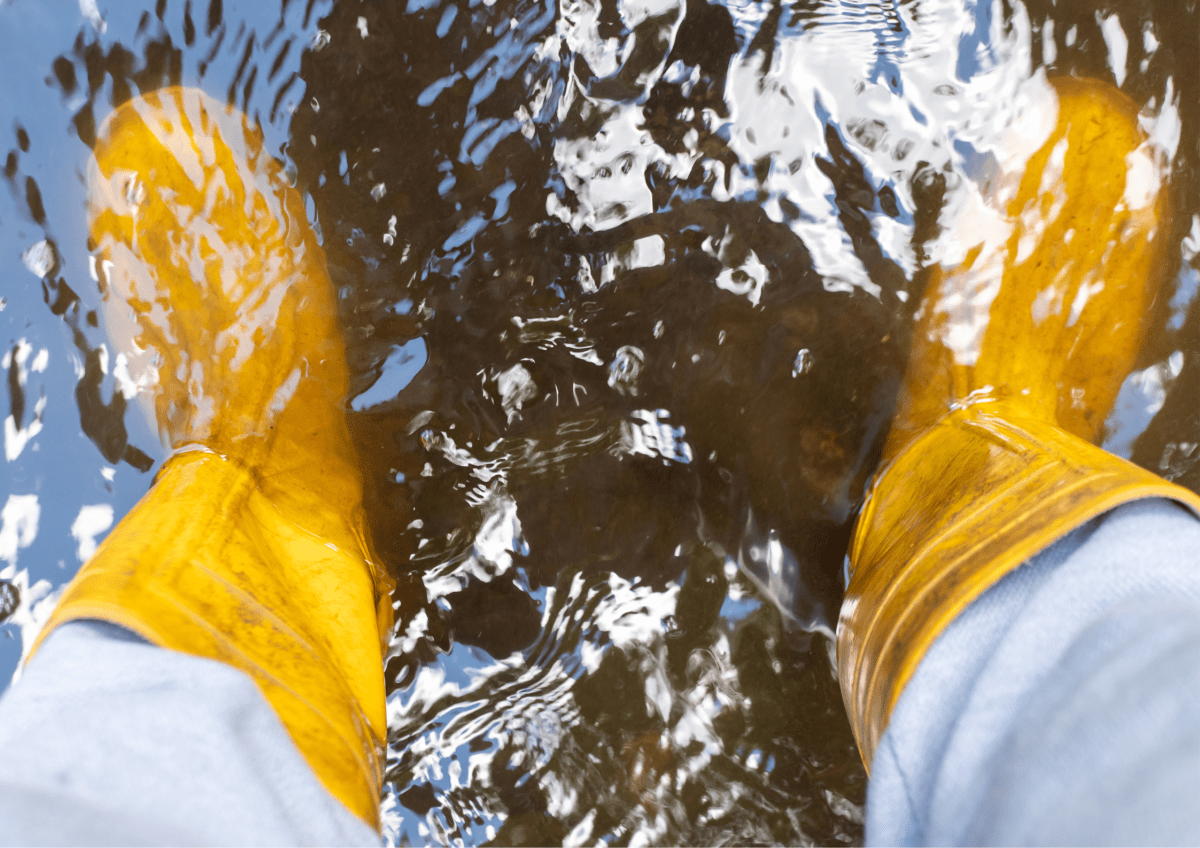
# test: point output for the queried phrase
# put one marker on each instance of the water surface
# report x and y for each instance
(626, 288)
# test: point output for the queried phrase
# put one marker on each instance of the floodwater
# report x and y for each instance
(626, 288)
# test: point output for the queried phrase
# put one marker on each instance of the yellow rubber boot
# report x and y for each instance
(1017, 358)
(251, 547)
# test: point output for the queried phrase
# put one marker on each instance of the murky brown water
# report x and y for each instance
(627, 288)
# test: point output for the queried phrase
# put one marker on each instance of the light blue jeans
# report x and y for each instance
(1062, 707)
(108, 740)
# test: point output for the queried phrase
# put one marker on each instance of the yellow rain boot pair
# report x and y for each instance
(1017, 358)
(250, 548)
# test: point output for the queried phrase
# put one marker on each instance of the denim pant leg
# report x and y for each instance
(1063, 706)
(108, 740)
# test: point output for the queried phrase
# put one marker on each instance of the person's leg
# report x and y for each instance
(1060, 706)
(109, 740)
(960, 572)
(248, 559)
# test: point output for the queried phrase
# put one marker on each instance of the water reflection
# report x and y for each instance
(627, 289)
